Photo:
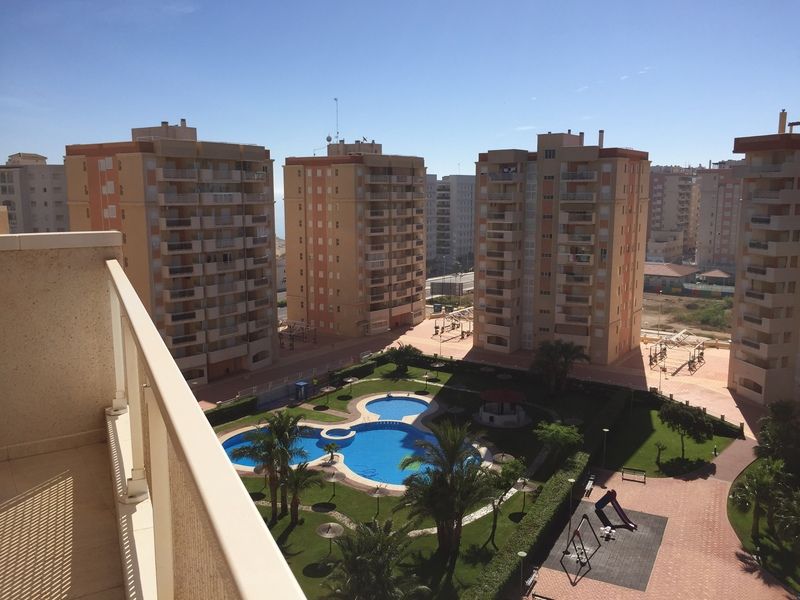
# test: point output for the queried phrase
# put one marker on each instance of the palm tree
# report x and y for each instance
(299, 480)
(263, 449)
(553, 362)
(758, 489)
(451, 483)
(787, 520)
(367, 571)
(284, 426)
(331, 449)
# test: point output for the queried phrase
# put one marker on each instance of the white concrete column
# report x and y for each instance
(160, 497)
(119, 404)
(137, 483)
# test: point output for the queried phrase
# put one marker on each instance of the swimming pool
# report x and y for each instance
(395, 408)
(375, 452)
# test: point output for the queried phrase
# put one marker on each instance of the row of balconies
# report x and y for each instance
(210, 198)
(192, 174)
(771, 248)
(768, 299)
(577, 196)
(212, 245)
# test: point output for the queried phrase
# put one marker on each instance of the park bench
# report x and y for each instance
(532, 579)
(589, 485)
(632, 474)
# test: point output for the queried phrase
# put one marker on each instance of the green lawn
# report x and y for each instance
(775, 557)
(307, 553)
(311, 415)
(632, 444)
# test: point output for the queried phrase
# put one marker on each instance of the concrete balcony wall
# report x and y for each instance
(53, 357)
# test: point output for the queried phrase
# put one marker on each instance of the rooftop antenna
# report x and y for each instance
(337, 119)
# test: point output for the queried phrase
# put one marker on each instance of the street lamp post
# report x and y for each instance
(569, 529)
(605, 433)
(522, 555)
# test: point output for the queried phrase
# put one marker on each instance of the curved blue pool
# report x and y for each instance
(395, 408)
(375, 452)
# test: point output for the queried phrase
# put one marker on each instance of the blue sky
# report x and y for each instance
(440, 80)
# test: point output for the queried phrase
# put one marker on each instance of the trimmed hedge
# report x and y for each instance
(232, 410)
(723, 428)
(361, 370)
(534, 534)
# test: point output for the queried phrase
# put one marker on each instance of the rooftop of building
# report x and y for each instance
(656, 269)
(775, 141)
(22, 159)
(568, 140)
(357, 152)
(715, 274)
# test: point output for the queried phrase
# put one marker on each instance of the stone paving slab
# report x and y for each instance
(625, 561)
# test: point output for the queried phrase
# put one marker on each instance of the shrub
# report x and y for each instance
(534, 534)
(234, 409)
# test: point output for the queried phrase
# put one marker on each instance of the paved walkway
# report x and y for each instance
(700, 556)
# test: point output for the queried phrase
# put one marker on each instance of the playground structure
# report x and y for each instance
(665, 352)
(452, 325)
(581, 547)
(291, 331)
(611, 496)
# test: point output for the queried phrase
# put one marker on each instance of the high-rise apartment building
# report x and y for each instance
(355, 239)
(674, 204)
(764, 361)
(453, 221)
(35, 194)
(197, 221)
(718, 224)
(560, 246)
(431, 182)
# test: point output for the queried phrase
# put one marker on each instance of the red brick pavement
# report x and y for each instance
(700, 556)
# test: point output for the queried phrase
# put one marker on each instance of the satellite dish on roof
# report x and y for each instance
(328, 139)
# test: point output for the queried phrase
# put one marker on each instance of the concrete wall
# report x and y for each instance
(57, 372)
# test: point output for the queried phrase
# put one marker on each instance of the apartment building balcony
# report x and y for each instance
(504, 197)
(573, 279)
(381, 297)
(762, 350)
(220, 198)
(766, 324)
(771, 274)
(254, 176)
(166, 174)
(128, 491)
(168, 198)
(583, 218)
(258, 325)
(377, 179)
(504, 236)
(223, 244)
(498, 311)
(220, 221)
(579, 176)
(189, 339)
(257, 303)
(378, 214)
(259, 261)
(193, 270)
(501, 254)
(576, 238)
(377, 281)
(227, 353)
(256, 198)
(181, 316)
(504, 293)
(768, 299)
(500, 274)
(401, 212)
(509, 216)
(226, 331)
(771, 248)
(224, 288)
(224, 310)
(257, 241)
(183, 294)
(760, 170)
(565, 258)
(179, 223)
(212, 268)
(563, 318)
(775, 222)
(397, 229)
(377, 230)
(578, 340)
(190, 361)
(577, 196)
(254, 284)
(221, 175)
(181, 247)
(505, 177)
(497, 328)
(376, 265)
(573, 300)
(256, 220)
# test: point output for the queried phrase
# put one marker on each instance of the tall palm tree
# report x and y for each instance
(368, 569)
(263, 449)
(787, 520)
(554, 360)
(285, 427)
(299, 480)
(759, 490)
(450, 483)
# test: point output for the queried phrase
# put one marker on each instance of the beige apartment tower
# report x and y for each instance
(34, 193)
(355, 240)
(560, 246)
(674, 205)
(197, 220)
(718, 225)
(764, 362)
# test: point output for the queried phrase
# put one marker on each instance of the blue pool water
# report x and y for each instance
(374, 452)
(393, 408)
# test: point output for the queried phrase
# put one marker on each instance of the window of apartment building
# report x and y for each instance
(547, 196)
(544, 292)
(544, 311)
(547, 217)
(544, 329)
(546, 255)
(549, 153)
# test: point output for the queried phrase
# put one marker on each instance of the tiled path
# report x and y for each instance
(700, 557)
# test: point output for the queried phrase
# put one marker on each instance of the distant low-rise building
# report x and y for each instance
(34, 193)
(665, 246)
(667, 278)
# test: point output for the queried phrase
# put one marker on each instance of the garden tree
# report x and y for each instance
(299, 480)
(559, 439)
(787, 520)
(777, 436)
(368, 568)
(263, 449)
(553, 362)
(660, 447)
(686, 421)
(449, 483)
(402, 356)
(500, 483)
(331, 449)
(759, 489)
(285, 429)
